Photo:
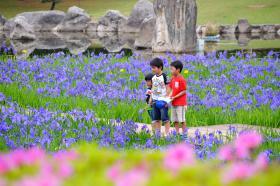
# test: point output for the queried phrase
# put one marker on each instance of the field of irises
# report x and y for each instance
(73, 107)
(221, 89)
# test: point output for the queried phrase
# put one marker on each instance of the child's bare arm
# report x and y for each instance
(179, 94)
(168, 91)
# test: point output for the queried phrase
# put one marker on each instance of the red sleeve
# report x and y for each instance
(170, 84)
(183, 84)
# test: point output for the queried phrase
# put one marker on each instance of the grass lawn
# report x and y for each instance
(218, 11)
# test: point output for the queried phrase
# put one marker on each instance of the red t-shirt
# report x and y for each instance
(178, 84)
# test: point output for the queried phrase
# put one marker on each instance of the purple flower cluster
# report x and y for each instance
(53, 131)
(214, 80)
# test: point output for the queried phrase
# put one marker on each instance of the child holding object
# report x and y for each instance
(159, 91)
(148, 79)
(178, 96)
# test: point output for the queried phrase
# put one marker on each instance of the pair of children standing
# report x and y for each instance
(160, 87)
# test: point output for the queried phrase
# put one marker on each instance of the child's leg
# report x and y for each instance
(151, 114)
(174, 118)
(157, 118)
(167, 127)
(159, 126)
(184, 127)
(165, 119)
(183, 118)
(177, 127)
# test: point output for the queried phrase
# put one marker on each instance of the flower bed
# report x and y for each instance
(235, 165)
(221, 89)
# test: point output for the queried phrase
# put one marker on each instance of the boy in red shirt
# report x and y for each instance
(178, 86)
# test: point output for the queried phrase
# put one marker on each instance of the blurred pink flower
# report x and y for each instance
(226, 153)
(66, 155)
(179, 156)
(246, 142)
(42, 180)
(3, 164)
(20, 157)
(114, 172)
(261, 162)
(2, 182)
(239, 171)
(249, 139)
(134, 177)
(65, 169)
(137, 176)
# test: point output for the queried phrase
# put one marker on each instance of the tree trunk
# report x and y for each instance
(175, 29)
(53, 5)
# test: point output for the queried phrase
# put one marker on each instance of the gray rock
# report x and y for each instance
(111, 42)
(28, 46)
(111, 21)
(228, 36)
(256, 29)
(175, 29)
(145, 36)
(268, 36)
(128, 39)
(76, 20)
(255, 35)
(76, 42)
(40, 20)
(143, 9)
(92, 27)
(243, 26)
(227, 29)
(2, 22)
(268, 28)
(22, 29)
(9, 25)
(49, 40)
(243, 39)
(277, 27)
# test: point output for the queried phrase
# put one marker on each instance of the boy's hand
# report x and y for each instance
(149, 92)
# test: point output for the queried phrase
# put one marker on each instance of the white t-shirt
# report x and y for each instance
(159, 86)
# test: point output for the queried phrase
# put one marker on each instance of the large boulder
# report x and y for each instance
(145, 36)
(243, 26)
(111, 41)
(39, 20)
(76, 19)
(277, 28)
(175, 28)
(143, 9)
(22, 29)
(256, 29)
(268, 28)
(111, 21)
(2, 22)
(92, 27)
(227, 29)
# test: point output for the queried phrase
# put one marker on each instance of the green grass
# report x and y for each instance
(217, 11)
(262, 116)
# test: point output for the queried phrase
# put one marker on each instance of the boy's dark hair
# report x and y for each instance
(177, 64)
(157, 62)
(149, 77)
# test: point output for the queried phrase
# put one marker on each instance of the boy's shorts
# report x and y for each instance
(178, 114)
(160, 114)
(151, 114)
